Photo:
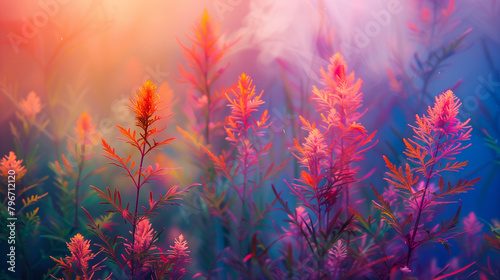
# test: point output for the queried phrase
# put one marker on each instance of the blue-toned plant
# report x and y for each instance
(439, 137)
(325, 186)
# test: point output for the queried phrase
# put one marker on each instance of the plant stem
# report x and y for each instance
(138, 187)
(343, 119)
(420, 208)
(18, 107)
(319, 268)
(243, 200)
(207, 119)
(207, 92)
(77, 185)
(23, 251)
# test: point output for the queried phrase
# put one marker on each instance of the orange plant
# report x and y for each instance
(137, 255)
(203, 57)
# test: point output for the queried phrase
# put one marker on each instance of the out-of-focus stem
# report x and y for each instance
(23, 251)
(21, 243)
(343, 120)
(207, 92)
(243, 200)
(207, 119)
(44, 131)
(77, 184)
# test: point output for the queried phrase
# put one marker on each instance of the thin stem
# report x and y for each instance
(318, 200)
(420, 208)
(77, 185)
(242, 218)
(138, 187)
(16, 104)
(433, 29)
(207, 119)
(23, 251)
(490, 61)
(21, 243)
(207, 92)
(343, 119)
(318, 275)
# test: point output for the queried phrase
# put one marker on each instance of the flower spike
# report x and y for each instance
(145, 105)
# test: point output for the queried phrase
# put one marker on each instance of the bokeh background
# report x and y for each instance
(93, 55)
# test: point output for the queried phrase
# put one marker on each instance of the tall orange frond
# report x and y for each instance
(204, 54)
(202, 70)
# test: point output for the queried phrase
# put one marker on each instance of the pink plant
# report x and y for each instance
(328, 154)
(246, 174)
(205, 109)
(78, 262)
(143, 238)
(241, 127)
(203, 57)
(339, 103)
(438, 138)
(175, 262)
(80, 253)
(472, 227)
(179, 255)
